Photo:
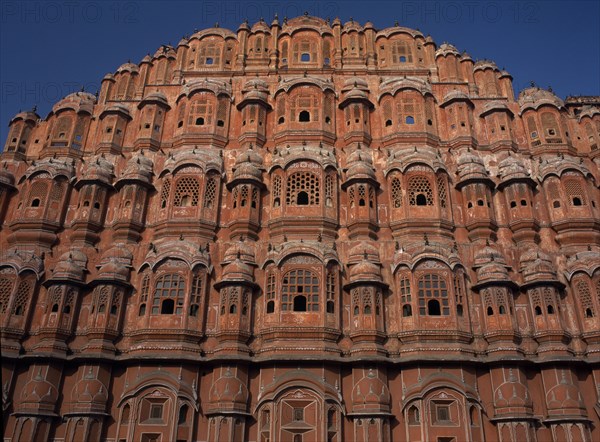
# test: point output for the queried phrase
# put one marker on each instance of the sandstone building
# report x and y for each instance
(302, 231)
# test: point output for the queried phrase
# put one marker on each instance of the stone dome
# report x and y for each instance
(511, 168)
(128, 67)
(358, 252)
(534, 97)
(537, 266)
(370, 394)
(71, 265)
(99, 169)
(228, 392)
(365, 271)
(485, 64)
(238, 271)
(446, 49)
(77, 101)
(138, 169)
(512, 394)
(88, 394)
(244, 250)
(471, 167)
(38, 393)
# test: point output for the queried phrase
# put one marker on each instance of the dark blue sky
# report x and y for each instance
(50, 48)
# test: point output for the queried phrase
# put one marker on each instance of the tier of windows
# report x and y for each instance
(172, 293)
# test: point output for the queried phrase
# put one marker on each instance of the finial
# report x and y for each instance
(426, 239)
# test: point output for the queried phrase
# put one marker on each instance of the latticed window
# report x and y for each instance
(187, 192)
(254, 203)
(181, 114)
(168, 296)
(550, 300)
(441, 183)
(196, 295)
(549, 124)
(57, 190)
(554, 193)
(144, 294)
(575, 193)
(276, 191)
(6, 285)
(433, 295)
(210, 193)
(244, 196)
(305, 108)
(230, 298)
(367, 300)
(201, 113)
(164, 194)
(356, 301)
(305, 51)
(459, 291)
(300, 291)
(532, 127)
(270, 292)
(222, 112)
(103, 299)
(396, 192)
(209, 54)
(22, 296)
(302, 189)
(280, 110)
(405, 296)
(351, 196)
(54, 298)
(37, 194)
(585, 298)
(329, 191)
(420, 192)
(61, 132)
(401, 52)
(331, 285)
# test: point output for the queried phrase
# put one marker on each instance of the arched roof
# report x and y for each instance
(191, 253)
(205, 158)
(404, 157)
(290, 154)
(323, 252)
(392, 85)
(286, 84)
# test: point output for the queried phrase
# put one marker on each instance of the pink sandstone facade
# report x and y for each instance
(302, 231)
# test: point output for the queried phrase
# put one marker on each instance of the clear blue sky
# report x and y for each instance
(49, 48)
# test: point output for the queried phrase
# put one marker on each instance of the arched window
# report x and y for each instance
(575, 192)
(433, 295)
(201, 111)
(38, 194)
(305, 105)
(303, 189)
(169, 292)
(413, 416)
(396, 192)
(197, 290)
(405, 296)
(401, 52)
(300, 291)
(585, 297)
(210, 192)
(276, 191)
(270, 293)
(209, 54)
(420, 192)
(187, 192)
